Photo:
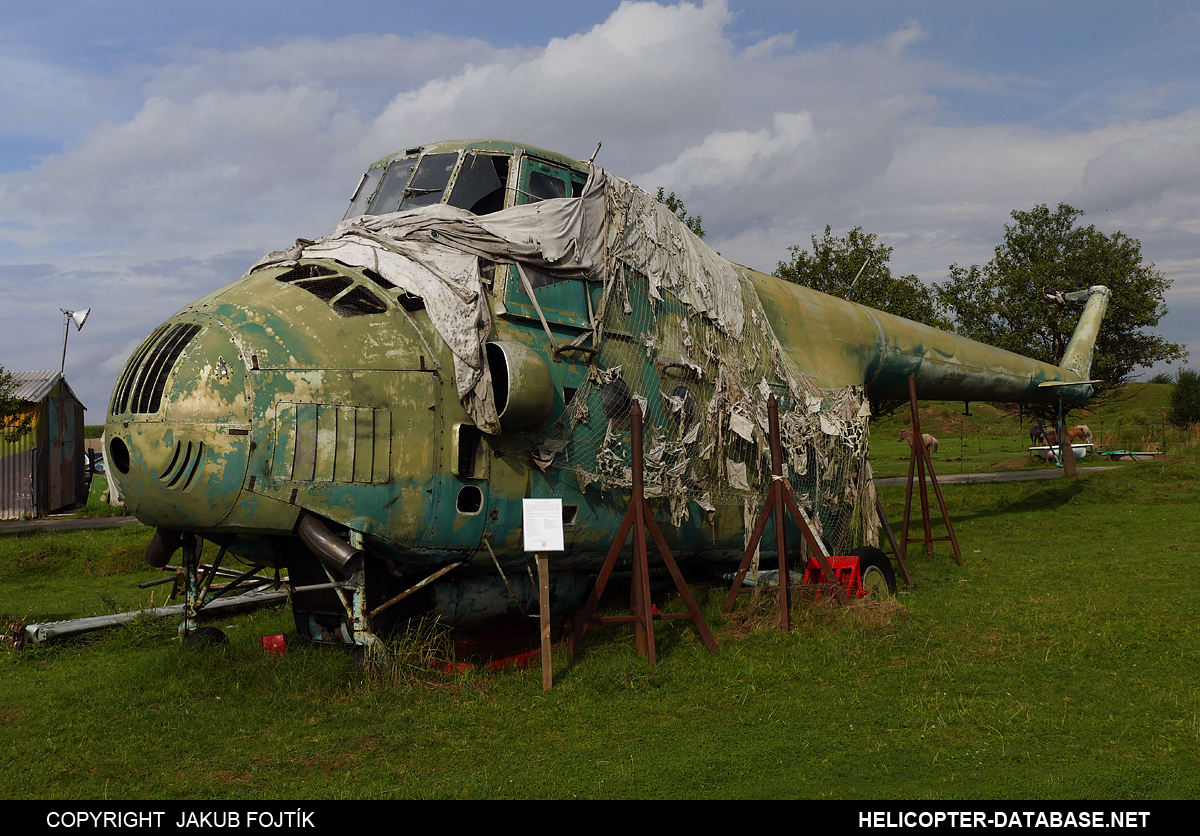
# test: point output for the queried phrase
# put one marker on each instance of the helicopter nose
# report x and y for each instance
(179, 432)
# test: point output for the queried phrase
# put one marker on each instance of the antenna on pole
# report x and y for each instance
(850, 289)
(78, 318)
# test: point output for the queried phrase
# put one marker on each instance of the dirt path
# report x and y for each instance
(1004, 476)
(65, 524)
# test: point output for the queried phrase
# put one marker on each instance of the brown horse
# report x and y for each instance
(930, 441)
(1049, 436)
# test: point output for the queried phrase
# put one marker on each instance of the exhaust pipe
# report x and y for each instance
(337, 555)
(164, 543)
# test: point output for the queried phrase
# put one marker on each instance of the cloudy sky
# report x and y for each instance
(150, 152)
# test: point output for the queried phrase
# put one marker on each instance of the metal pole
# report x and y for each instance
(543, 564)
(66, 333)
(785, 615)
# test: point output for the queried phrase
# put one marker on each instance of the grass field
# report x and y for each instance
(1059, 662)
(993, 438)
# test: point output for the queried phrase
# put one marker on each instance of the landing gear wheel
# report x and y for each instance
(206, 637)
(878, 577)
(363, 656)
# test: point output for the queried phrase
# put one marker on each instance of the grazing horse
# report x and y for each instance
(1049, 436)
(930, 441)
(1039, 433)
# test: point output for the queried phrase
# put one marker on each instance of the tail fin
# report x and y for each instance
(1078, 356)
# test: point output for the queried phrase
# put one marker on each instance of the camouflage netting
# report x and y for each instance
(703, 361)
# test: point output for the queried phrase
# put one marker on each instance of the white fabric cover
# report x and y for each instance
(434, 251)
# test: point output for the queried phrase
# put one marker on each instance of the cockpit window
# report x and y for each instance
(366, 188)
(544, 187)
(480, 185)
(392, 187)
(430, 180)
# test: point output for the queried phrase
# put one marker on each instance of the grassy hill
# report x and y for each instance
(996, 436)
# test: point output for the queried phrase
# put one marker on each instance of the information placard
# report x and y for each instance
(543, 525)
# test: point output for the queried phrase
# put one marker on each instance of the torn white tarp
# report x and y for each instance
(433, 252)
(647, 236)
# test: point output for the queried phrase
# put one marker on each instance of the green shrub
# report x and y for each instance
(1185, 398)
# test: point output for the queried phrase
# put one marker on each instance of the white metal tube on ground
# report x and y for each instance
(41, 633)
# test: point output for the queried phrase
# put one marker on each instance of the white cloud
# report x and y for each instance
(225, 155)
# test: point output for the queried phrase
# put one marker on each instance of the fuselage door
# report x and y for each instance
(562, 301)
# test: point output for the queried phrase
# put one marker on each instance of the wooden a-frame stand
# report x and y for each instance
(641, 616)
(891, 538)
(779, 499)
(919, 460)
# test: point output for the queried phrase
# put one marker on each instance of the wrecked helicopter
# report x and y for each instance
(369, 410)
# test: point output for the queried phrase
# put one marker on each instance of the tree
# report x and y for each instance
(835, 262)
(836, 266)
(1002, 303)
(673, 203)
(15, 417)
(1185, 398)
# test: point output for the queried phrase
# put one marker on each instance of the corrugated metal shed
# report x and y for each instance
(43, 471)
(33, 386)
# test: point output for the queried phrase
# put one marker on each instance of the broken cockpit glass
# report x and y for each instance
(428, 182)
(364, 192)
(480, 185)
(392, 188)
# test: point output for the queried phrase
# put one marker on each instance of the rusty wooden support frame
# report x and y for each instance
(641, 617)
(919, 461)
(779, 501)
(891, 538)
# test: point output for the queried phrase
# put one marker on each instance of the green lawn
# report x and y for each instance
(1059, 662)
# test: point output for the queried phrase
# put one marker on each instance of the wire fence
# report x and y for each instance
(971, 449)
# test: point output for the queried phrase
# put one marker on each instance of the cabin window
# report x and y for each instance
(326, 289)
(544, 186)
(615, 399)
(362, 195)
(541, 180)
(687, 412)
(481, 184)
(410, 303)
(429, 180)
(387, 195)
(470, 500)
(305, 271)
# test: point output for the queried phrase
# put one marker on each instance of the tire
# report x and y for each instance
(206, 637)
(878, 577)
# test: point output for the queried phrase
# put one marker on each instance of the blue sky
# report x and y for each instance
(150, 152)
